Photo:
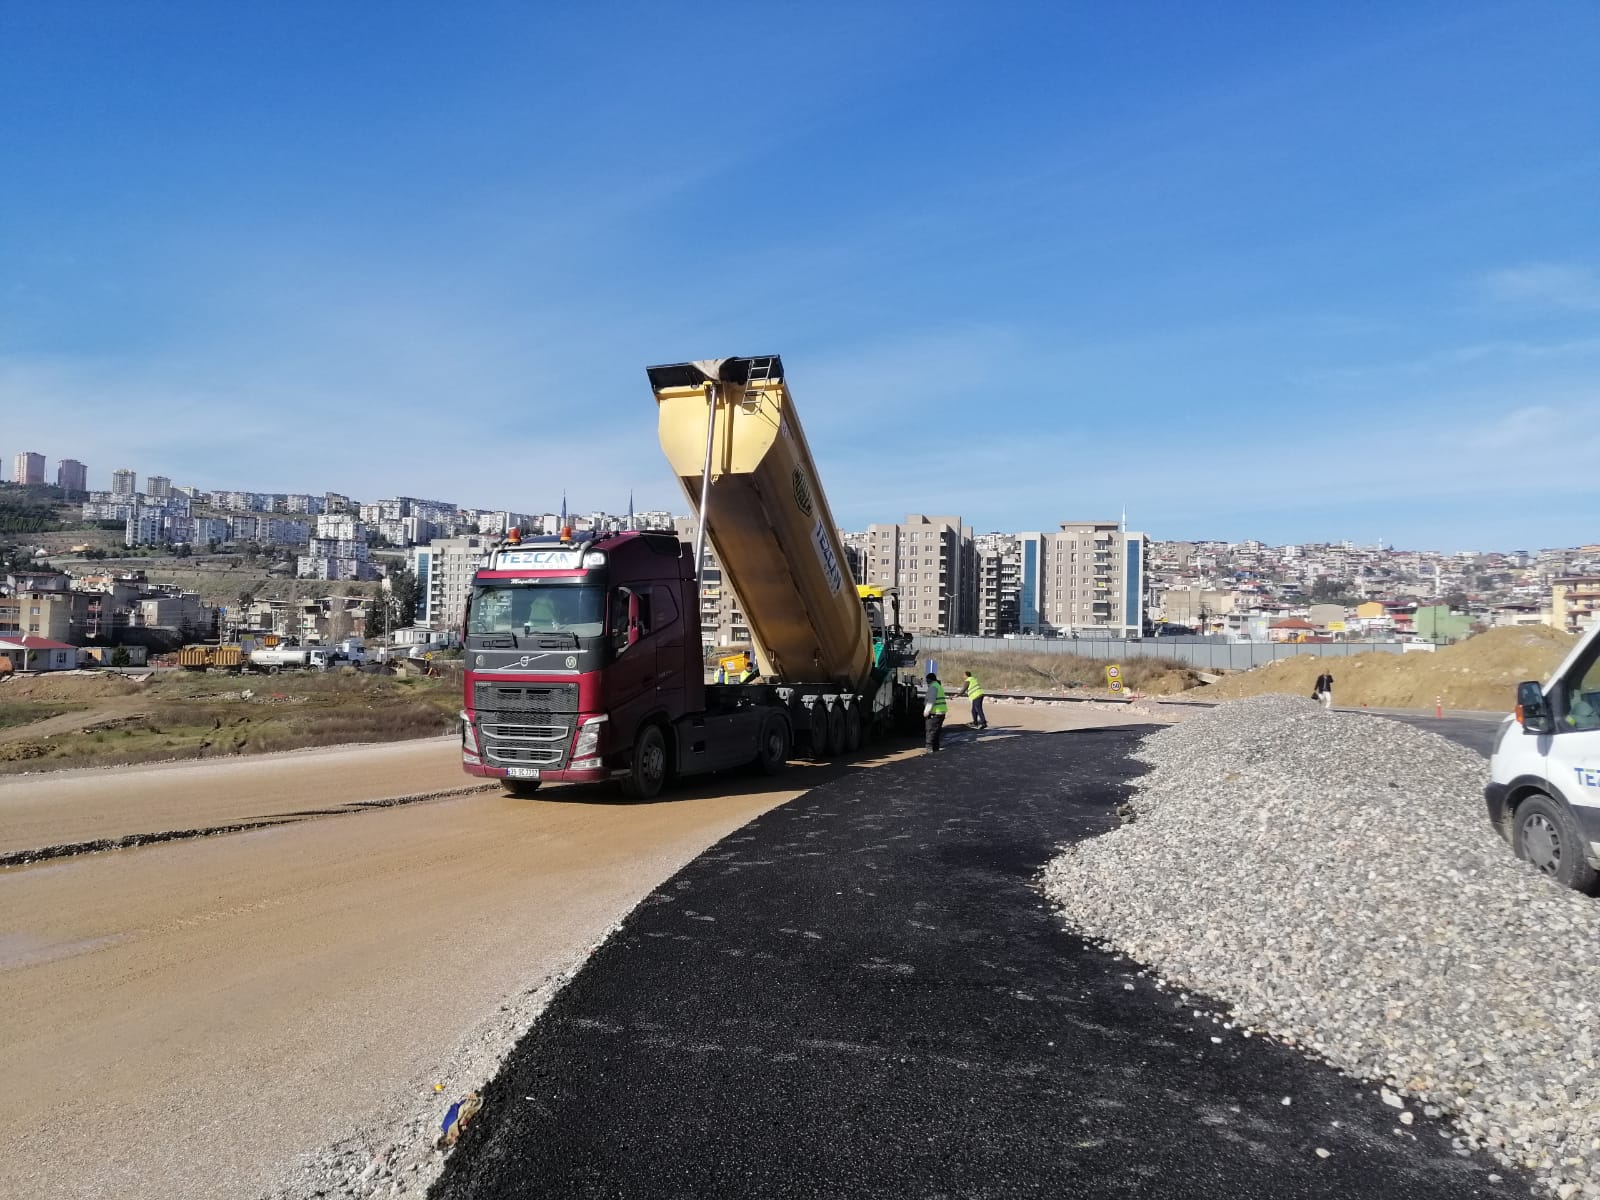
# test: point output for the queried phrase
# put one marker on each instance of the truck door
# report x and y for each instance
(1573, 762)
(672, 662)
(631, 677)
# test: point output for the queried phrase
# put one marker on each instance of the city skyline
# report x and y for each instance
(1251, 272)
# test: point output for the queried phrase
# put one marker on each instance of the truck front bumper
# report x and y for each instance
(563, 775)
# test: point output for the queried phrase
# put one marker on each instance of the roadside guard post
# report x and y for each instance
(1114, 678)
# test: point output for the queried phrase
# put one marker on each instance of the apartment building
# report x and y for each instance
(1087, 576)
(999, 583)
(157, 487)
(934, 564)
(722, 620)
(72, 475)
(124, 483)
(1575, 602)
(27, 467)
(444, 569)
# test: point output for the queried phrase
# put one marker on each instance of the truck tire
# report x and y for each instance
(521, 788)
(836, 745)
(648, 771)
(853, 735)
(1543, 833)
(816, 736)
(772, 754)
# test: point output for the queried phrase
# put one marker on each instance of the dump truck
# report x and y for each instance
(583, 658)
(203, 657)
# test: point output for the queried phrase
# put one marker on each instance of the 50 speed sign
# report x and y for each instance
(1114, 678)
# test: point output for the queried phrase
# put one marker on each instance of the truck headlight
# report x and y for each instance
(588, 743)
(469, 738)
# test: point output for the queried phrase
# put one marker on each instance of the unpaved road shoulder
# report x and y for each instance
(111, 802)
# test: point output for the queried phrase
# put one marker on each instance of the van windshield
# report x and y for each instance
(537, 608)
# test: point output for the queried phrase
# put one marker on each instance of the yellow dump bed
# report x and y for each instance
(767, 516)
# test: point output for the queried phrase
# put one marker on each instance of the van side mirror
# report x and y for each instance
(1533, 708)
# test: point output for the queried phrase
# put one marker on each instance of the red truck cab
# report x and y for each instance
(583, 663)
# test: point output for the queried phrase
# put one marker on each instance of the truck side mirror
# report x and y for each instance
(634, 632)
(1533, 708)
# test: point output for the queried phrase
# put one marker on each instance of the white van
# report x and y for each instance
(1544, 774)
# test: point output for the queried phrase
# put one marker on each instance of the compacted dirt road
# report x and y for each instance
(183, 1019)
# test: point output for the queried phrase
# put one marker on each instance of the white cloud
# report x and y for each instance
(1544, 285)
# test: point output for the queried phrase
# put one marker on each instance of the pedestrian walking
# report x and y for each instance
(973, 691)
(934, 706)
(1324, 689)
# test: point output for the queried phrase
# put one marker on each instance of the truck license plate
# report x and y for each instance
(523, 772)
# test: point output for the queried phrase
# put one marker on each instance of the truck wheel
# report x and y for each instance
(521, 788)
(772, 755)
(647, 774)
(852, 728)
(817, 735)
(836, 735)
(1544, 834)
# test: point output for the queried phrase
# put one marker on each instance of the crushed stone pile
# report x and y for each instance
(1481, 673)
(1334, 879)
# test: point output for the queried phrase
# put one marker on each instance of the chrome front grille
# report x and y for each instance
(526, 725)
(525, 698)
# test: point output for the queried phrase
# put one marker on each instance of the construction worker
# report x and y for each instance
(934, 707)
(973, 691)
(749, 674)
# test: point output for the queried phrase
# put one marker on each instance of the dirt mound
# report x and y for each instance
(67, 685)
(1479, 673)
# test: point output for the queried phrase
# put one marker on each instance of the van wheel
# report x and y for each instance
(647, 774)
(1544, 834)
(772, 755)
(521, 788)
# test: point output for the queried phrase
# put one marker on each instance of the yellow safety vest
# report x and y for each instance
(940, 704)
(974, 692)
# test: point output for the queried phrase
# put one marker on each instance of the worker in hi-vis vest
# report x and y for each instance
(973, 691)
(934, 707)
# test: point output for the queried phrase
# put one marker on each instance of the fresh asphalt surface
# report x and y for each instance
(863, 993)
(1476, 732)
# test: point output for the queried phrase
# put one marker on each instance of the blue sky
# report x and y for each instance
(1249, 270)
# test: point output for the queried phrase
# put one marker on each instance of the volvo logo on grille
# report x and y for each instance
(572, 660)
(524, 660)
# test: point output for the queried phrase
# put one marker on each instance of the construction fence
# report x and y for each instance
(1202, 653)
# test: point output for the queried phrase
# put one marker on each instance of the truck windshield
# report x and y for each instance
(529, 609)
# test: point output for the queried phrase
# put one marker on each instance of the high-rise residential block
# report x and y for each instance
(157, 487)
(444, 569)
(934, 564)
(999, 583)
(27, 467)
(72, 475)
(124, 482)
(1088, 576)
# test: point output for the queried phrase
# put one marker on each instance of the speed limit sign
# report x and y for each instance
(1114, 678)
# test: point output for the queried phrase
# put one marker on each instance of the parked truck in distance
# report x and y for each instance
(292, 658)
(583, 659)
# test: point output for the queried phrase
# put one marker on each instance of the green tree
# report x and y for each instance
(1333, 591)
(1457, 600)
(119, 657)
(404, 593)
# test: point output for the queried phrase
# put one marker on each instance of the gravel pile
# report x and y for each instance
(1333, 877)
